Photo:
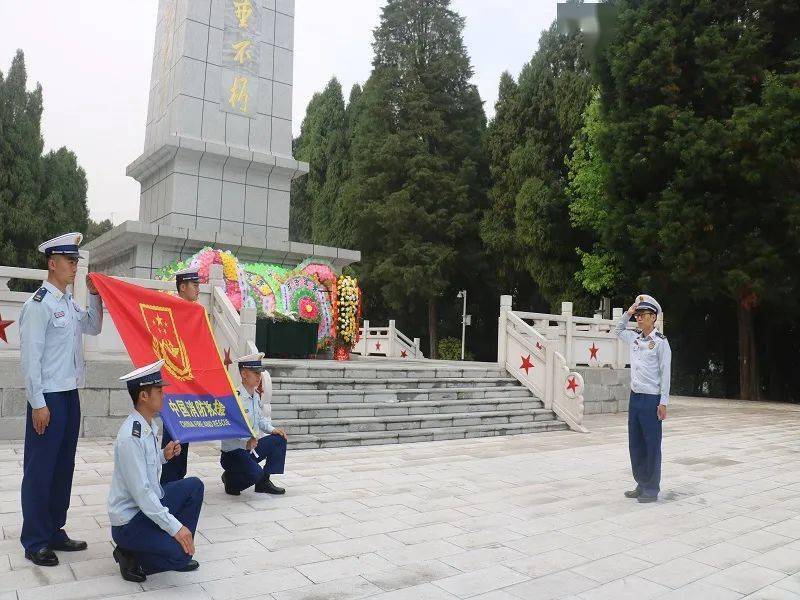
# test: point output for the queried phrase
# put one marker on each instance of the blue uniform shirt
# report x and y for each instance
(51, 348)
(259, 419)
(651, 358)
(137, 470)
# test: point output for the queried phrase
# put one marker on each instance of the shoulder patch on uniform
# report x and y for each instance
(660, 335)
(136, 431)
(39, 296)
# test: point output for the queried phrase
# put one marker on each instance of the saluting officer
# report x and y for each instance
(51, 351)
(152, 526)
(651, 358)
(188, 283)
(241, 457)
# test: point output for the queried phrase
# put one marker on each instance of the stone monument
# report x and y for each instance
(217, 164)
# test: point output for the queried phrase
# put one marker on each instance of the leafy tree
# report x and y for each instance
(94, 229)
(701, 132)
(417, 173)
(40, 196)
(528, 225)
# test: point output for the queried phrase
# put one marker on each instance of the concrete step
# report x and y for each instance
(288, 396)
(384, 369)
(405, 422)
(379, 409)
(343, 383)
(365, 438)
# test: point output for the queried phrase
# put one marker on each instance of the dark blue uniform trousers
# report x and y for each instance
(155, 549)
(644, 442)
(174, 469)
(242, 469)
(48, 465)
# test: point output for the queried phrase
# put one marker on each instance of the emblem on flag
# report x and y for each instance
(167, 344)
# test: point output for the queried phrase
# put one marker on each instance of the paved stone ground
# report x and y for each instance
(535, 517)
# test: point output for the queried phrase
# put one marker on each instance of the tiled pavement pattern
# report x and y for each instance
(535, 517)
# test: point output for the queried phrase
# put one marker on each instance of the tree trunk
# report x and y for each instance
(748, 372)
(432, 328)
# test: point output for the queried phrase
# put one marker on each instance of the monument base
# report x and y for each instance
(135, 249)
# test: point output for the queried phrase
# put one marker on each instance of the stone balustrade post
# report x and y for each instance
(248, 331)
(506, 303)
(79, 290)
(566, 311)
(366, 337)
(619, 361)
(216, 277)
(391, 342)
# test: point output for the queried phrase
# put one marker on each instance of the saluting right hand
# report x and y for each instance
(184, 538)
(41, 419)
(633, 308)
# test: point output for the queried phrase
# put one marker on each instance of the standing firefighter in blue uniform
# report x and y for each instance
(188, 283)
(152, 526)
(651, 358)
(52, 326)
(241, 457)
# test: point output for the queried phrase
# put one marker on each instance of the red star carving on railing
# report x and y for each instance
(593, 351)
(378, 346)
(539, 346)
(526, 363)
(572, 385)
(3, 325)
(403, 354)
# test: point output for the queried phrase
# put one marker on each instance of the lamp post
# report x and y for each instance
(463, 294)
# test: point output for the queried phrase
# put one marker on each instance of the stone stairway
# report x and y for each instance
(323, 404)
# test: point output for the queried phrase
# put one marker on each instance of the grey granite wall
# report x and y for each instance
(606, 390)
(104, 402)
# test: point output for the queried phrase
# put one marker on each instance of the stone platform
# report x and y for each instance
(505, 518)
(328, 403)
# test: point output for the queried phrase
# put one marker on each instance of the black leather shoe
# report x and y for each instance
(192, 565)
(647, 499)
(265, 486)
(228, 489)
(44, 557)
(69, 545)
(633, 494)
(128, 567)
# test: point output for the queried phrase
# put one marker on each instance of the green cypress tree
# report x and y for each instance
(300, 213)
(322, 145)
(418, 172)
(40, 197)
(498, 226)
(528, 226)
(21, 143)
(701, 136)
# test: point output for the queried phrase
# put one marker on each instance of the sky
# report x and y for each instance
(93, 59)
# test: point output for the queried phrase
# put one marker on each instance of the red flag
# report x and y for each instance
(200, 402)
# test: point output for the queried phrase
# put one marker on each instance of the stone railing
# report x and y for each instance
(234, 332)
(387, 341)
(583, 341)
(538, 365)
